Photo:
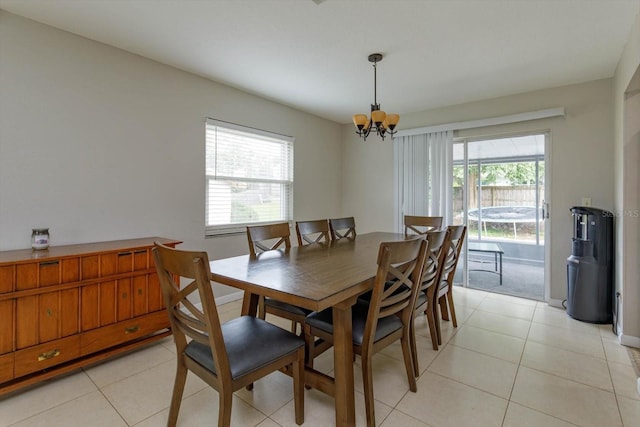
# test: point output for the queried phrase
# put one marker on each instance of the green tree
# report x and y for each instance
(515, 173)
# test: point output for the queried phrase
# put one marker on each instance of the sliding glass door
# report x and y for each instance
(498, 191)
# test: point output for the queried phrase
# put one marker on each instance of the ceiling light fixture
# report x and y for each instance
(380, 122)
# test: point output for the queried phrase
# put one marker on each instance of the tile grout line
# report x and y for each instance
(615, 393)
(515, 378)
(395, 407)
(106, 398)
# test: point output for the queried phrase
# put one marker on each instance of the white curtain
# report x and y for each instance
(423, 173)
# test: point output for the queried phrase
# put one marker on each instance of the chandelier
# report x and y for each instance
(380, 122)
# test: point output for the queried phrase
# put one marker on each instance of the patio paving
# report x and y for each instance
(519, 279)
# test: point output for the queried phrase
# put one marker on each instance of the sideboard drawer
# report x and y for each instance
(7, 278)
(49, 272)
(6, 367)
(43, 356)
(129, 330)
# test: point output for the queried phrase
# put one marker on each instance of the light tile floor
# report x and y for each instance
(511, 362)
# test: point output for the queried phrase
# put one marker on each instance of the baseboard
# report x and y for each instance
(634, 355)
(630, 341)
(558, 303)
(229, 297)
(223, 299)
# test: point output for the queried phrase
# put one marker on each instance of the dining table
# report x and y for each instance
(315, 277)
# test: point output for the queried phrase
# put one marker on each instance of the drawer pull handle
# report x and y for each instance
(142, 251)
(132, 329)
(48, 355)
(124, 253)
(44, 263)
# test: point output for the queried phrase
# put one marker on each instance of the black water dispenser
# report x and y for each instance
(590, 287)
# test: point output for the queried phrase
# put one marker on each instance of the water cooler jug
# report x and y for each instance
(590, 287)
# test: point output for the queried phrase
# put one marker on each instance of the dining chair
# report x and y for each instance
(421, 224)
(226, 356)
(265, 238)
(343, 228)
(431, 276)
(444, 295)
(309, 232)
(386, 319)
(268, 237)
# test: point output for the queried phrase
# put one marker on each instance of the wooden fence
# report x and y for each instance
(499, 195)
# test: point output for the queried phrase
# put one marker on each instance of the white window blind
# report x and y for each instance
(249, 177)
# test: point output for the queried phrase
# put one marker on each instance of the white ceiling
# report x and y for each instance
(313, 57)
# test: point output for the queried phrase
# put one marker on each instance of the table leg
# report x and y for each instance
(343, 365)
(500, 268)
(249, 304)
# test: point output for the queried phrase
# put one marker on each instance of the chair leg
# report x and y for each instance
(178, 389)
(224, 411)
(298, 386)
(443, 307)
(309, 349)
(309, 345)
(414, 349)
(432, 326)
(408, 360)
(367, 382)
(262, 310)
(436, 321)
(262, 314)
(454, 321)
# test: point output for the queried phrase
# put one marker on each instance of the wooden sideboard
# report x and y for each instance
(69, 306)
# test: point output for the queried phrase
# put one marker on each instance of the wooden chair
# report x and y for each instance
(385, 319)
(260, 237)
(444, 295)
(309, 232)
(431, 277)
(343, 228)
(225, 355)
(421, 224)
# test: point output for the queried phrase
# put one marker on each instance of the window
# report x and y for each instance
(249, 176)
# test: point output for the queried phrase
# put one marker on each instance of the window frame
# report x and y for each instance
(287, 185)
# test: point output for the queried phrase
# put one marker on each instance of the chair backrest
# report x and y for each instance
(187, 320)
(456, 239)
(421, 224)
(309, 232)
(397, 281)
(261, 236)
(343, 227)
(434, 261)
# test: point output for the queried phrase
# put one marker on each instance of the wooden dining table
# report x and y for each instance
(315, 277)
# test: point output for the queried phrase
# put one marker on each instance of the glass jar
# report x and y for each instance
(40, 238)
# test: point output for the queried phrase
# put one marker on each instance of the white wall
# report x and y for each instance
(581, 159)
(627, 179)
(100, 144)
